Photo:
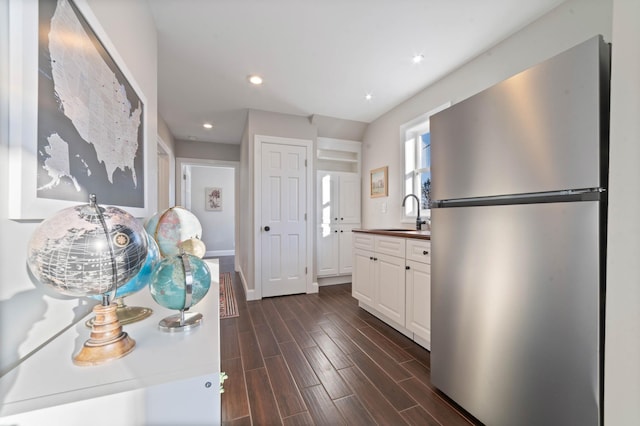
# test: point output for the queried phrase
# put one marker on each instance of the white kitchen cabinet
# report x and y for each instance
(335, 249)
(362, 286)
(348, 198)
(345, 248)
(338, 197)
(338, 207)
(392, 280)
(378, 274)
(339, 213)
(389, 277)
(418, 290)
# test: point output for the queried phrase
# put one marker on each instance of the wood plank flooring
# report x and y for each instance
(320, 359)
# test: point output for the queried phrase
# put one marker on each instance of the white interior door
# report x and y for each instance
(283, 201)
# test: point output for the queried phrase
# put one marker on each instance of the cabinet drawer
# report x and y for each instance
(419, 250)
(393, 246)
(363, 241)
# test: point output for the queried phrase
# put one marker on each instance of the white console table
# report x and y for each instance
(168, 379)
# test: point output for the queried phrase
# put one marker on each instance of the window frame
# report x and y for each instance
(413, 130)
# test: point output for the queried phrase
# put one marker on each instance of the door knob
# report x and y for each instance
(266, 228)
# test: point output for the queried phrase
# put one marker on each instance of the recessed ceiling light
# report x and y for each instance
(255, 79)
(207, 126)
(368, 96)
(418, 58)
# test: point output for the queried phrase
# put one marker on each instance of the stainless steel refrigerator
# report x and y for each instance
(518, 239)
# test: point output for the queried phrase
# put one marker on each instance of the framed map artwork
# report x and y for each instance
(78, 127)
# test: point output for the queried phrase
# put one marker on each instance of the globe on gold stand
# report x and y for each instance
(91, 250)
(107, 341)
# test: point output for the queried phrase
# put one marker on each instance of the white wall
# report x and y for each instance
(207, 150)
(218, 227)
(28, 315)
(622, 339)
(268, 124)
(566, 26)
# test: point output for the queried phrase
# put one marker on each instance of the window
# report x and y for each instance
(416, 137)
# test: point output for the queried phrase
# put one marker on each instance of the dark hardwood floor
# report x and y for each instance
(320, 359)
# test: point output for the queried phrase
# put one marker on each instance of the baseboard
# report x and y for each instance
(339, 279)
(386, 319)
(249, 293)
(218, 253)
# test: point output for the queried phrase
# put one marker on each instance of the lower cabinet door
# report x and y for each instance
(363, 286)
(327, 250)
(389, 273)
(418, 301)
(345, 244)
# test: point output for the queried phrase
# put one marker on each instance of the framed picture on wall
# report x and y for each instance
(379, 182)
(213, 199)
(78, 119)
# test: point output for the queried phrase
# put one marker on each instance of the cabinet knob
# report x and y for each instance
(266, 228)
(335, 230)
(370, 257)
(341, 231)
(425, 252)
(375, 258)
(335, 218)
(342, 218)
(407, 267)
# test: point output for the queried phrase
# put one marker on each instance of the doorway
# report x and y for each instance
(208, 188)
(283, 200)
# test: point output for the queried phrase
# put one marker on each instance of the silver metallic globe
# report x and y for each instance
(70, 252)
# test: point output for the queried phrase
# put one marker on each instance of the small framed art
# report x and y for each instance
(379, 182)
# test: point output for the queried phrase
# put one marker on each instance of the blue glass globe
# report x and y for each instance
(168, 286)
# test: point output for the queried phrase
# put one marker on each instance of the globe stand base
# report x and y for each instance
(126, 314)
(107, 340)
(180, 322)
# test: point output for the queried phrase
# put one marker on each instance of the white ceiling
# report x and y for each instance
(316, 56)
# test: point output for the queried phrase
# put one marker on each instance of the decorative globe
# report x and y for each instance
(193, 246)
(172, 226)
(70, 251)
(168, 283)
(142, 278)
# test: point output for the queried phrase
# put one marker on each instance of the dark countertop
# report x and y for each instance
(403, 233)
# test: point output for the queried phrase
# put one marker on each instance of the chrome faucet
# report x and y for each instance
(419, 221)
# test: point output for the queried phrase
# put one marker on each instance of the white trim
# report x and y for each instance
(218, 253)
(172, 170)
(333, 280)
(250, 294)
(312, 287)
(182, 162)
(411, 125)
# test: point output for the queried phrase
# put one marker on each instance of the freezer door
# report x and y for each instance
(516, 312)
(538, 131)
